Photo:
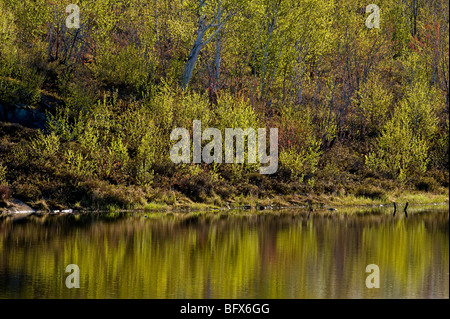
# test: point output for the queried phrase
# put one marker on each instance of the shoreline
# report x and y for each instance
(19, 208)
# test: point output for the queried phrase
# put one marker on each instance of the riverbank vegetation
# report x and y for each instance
(362, 113)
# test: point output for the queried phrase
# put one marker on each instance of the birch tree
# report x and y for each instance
(220, 15)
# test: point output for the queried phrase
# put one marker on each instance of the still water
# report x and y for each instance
(275, 254)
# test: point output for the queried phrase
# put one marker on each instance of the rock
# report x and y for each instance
(23, 115)
(18, 207)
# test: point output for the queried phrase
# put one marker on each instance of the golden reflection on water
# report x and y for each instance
(279, 254)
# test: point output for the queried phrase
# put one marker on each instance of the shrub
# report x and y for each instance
(373, 101)
(3, 174)
(78, 164)
(45, 145)
(300, 149)
(197, 185)
(370, 191)
(5, 193)
(236, 112)
(427, 184)
(403, 147)
(129, 68)
(301, 163)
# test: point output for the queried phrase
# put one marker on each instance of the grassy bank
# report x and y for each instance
(319, 203)
(48, 182)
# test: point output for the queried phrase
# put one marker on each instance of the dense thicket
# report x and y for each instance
(351, 103)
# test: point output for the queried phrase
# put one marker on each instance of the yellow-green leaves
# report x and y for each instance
(404, 144)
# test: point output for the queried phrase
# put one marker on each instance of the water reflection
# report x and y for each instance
(239, 255)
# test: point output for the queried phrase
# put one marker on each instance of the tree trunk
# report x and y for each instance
(192, 59)
(218, 58)
(199, 43)
(156, 21)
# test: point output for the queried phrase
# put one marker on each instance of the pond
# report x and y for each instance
(232, 254)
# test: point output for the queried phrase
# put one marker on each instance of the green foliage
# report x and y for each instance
(7, 31)
(374, 101)
(31, 17)
(130, 68)
(78, 96)
(18, 82)
(45, 145)
(3, 171)
(78, 164)
(396, 20)
(404, 144)
(143, 140)
(300, 148)
(301, 163)
(234, 112)
(440, 148)
(145, 158)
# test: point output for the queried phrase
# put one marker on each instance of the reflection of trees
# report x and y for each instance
(218, 256)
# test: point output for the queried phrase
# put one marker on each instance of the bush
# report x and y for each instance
(373, 101)
(129, 68)
(200, 184)
(198, 187)
(300, 149)
(5, 193)
(45, 145)
(370, 191)
(427, 184)
(301, 163)
(2, 174)
(403, 147)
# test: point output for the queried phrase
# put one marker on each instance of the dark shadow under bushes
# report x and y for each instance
(370, 191)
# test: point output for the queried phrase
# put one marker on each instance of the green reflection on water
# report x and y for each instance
(268, 255)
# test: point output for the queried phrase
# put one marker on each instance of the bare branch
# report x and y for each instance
(214, 34)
